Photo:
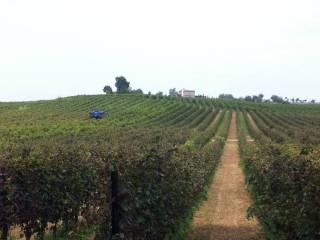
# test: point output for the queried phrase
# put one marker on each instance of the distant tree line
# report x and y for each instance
(253, 98)
(123, 86)
(260, 98)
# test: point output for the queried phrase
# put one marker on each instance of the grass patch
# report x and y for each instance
(82, 234)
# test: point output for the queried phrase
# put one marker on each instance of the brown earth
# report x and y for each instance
(223, 216)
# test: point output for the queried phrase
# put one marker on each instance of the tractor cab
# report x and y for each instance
(98, 114)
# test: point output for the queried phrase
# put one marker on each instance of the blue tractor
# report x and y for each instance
(98, 114)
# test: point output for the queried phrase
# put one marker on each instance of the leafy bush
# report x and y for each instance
(62, 178)
(285, 185)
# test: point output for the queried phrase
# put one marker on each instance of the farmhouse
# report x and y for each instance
(187, 93)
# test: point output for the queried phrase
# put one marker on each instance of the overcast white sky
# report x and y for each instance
(68, 47)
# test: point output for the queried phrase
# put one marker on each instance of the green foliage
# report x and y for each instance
(277, 99)
(55, 161)
(122, 85)
(285, 186)
(61, 178)
(283, 178)
(226, 96)
(173, 92)
(107, 89)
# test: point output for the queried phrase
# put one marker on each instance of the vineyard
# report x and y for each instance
(283, 170)
(56, 164)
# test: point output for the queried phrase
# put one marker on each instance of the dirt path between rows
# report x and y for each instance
(223, 215)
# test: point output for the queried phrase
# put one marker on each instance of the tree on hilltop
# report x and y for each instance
(122, 85)
(160, 94)
(248, 98)
(277, 99)
(226, 96)
(107, 89)
(173, 92)
(138, 91)
(260, 97)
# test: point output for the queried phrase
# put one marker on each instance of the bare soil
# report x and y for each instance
(223, 216)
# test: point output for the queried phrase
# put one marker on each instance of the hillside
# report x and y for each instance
(56, 164)
(67, 115)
